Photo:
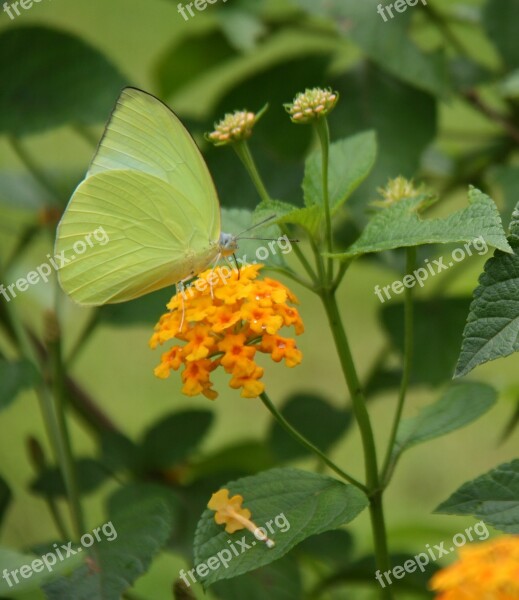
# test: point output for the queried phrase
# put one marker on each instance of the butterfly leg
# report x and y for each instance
(212, 271)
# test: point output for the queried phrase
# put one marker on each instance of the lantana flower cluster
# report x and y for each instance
(226, 324)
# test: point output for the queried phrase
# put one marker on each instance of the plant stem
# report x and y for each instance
(323, 131)
(408, 358)
(90, 327)
(307, 443)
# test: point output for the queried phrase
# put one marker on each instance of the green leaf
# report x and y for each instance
(506, 177)
(500, 18)
(83, 89)
(350, 162)
(460, 405)
(493, 497)
(243, 458)
(278, 581)
(5, 498)
(400, 226)
(441, 323)
(118, 452)
(333, 547)
(174, 438)
(304, 504)
(11, 560)
(242, 29)
(14, 378)
(303, 411)
(145, 310)
(49, 482)
(309, 218)
(142, 530)
(492, 329)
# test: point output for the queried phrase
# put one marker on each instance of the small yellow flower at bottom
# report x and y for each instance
(485, 571)
(229, 511)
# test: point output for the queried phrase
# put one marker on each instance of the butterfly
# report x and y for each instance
(149, 190)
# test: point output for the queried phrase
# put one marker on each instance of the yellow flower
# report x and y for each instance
(234, 127)
(397, 189)
(484, 571)
(229, 511)
(311, 104)
(227, 325)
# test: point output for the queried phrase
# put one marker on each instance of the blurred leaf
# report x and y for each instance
(5, 498)
(278, 581)
(467, 74)
(509, 87)
(506, 177)
(22, 191)
(511, 425)
(373, 99)
(500, 18)
(459, 406)
(333, 547)
(309, 503)
(441, 323)
(49, 482)
(142, 531)
(243, 458)
(493, 497)
(14, 378)
(492, 329)
(242, 29)
(36, 95)
(174, 438)
(386, 41)
(350, 161)
(118, 452)
(12, 560)
(400, 226)
(144, 310)
(304, 411)
(190, 57)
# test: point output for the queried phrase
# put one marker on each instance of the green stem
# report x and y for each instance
(406, 374)
(323, 131)
(306, 443)
(66, 455)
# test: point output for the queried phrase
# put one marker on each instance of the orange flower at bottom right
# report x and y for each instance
(484, 571)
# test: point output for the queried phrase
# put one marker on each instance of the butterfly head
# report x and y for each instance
(228, 244)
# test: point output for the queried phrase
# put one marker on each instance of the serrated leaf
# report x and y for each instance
(308, 502)
(141, 532)
(172, 439)
(493, 497)
(37, 96)
(492, 329)
(303, 411)
(400, 226)
(14, 378)
(350, 162)
(460, 405)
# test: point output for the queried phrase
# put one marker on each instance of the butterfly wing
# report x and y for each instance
(126, 234)
(149, 189)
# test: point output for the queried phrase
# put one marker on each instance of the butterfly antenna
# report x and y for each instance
(237, 265)
(267, 239)
(254, 226)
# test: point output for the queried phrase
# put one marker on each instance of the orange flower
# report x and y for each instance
(487, 570)
(227, 325)
(229, 511)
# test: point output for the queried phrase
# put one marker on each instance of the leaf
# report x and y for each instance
(333, 547)
(14, 378)
(459, 406)
(500, 18)
(350, 162)
(145, 310)
(493, 497)
(142, 530)
(5, 498)
(399, 226)
(172, 439)
(492, 329)
(37, 96)
(49, 482)
(11, 560)
(304, 504)
(386, 41)
(242, 458)
(309, 218)
(118, 452)
(242, 29)
(303, 411)
(278, 581)
(441, 323)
